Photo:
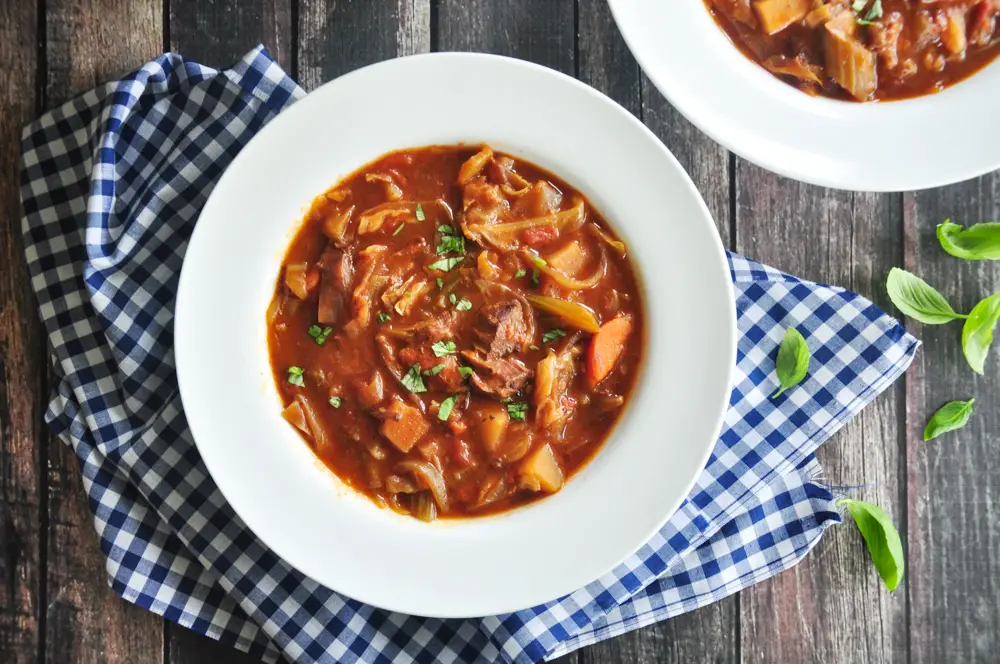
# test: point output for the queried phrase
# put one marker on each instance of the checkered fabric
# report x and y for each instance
(112, 184)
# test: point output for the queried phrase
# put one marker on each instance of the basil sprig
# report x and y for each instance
(977, 242)
(792, 363)
(881, 538)
(949, 417)
(977, 333)
(918, 299)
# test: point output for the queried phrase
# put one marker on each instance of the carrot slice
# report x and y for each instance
(606, 347)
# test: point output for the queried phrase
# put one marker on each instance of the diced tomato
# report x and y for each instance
(539, 235)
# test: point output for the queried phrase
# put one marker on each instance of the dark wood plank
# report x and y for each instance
(217, 32)
(86, 622)
(831, 607)
(339, 36)
(22, 382)
(606, 64)
(954, 482)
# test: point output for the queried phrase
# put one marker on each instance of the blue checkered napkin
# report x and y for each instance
(112, 183)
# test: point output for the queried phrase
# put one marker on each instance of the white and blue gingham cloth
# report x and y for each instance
(112, 184)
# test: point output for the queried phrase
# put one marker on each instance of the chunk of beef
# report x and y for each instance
(511, 327)
(499, 377)
(336, 275)
(440, 327)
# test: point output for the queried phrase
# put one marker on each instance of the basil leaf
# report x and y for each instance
(399, 229)
(519, 274)
(295, 377)
(859, 5)
(949, 417)
(413, 381)
(977, 333)
(917, 299)
(792, 363)
(446, 407)
(442, 348)
(975, 243)
(420, 213)
(435, 370)
(552, 335)
(446, 264)
(455, 243)
(383, 317)
(465, 371)
(440, 282)
(463, 305)
(882, 540)
(517, 411)
(335, 402)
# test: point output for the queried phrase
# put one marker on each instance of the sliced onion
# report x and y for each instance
(312, 418)
(293, 413)
(392, 190)
(336, 227)
(430, 478)
(422, 506)
(503, 236)
(617, 245)
(565, 280)
(295, 279)
(397, 484)
(574, 314)
(474, 165)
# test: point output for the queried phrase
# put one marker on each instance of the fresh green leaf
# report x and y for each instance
(413, 381)
(455, 243)
(534, 277)
(949, 417)
(792, 363)
(463, 304)
(859, 5)
(440, 282)
(874, 13)
(446, 407)
(445, 229)
(442, 348)
(552, 335)
(383, 317)
(518, 411)
(435, 370)
(917, 299)
(977, 333)
(335, 402)
(452, 298)
(420, 213)
(519, 274)
(295, 377)
(533, 347)
(446, 264)
(465, 371)
(319, 334)
(882, 540)
(977, 242)
(399, 229)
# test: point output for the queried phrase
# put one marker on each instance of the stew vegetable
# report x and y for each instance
(455, 332)
(864, 50)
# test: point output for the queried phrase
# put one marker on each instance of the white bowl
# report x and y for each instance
(917, 143)
(472, 567)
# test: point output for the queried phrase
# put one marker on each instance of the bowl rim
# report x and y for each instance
(287, 117)
(779, 157)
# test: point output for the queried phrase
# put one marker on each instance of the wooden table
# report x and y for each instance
(55, 605)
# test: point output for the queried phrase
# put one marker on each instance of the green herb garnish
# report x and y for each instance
(452, 298)
(399, 229)
(533, 347)
(977, 333)
(882, 540)
(319, 334)
(295, 377)
(446, 407)
(383, 317)
(335, 402)
(793, 360)
(442, 348)
(463, 304)
(435, 370)
(465, 371)
(918, 299)
(519, 274)
(440, 283)
(552, 335)
(518, 411)
(446, 264)
(534, 277)
(949, 417)
(413, 381)
(874, 13)
(978, 242)
(420, 213)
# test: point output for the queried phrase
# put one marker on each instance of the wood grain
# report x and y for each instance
(338, 36)
(22, 382)
(953, 481)
(85, 620)
(218, 32)
(831, 607)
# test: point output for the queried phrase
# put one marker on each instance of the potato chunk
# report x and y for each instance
(540, 471)
(849, 63)
(404, 425)
(776, 15)
(492, 424)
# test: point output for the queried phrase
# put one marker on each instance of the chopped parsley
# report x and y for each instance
(874, 12)
(519, 274)
(442, 348)
(435, 370)
(335, 402)
(452, 298)
(420, 213)
(319, 334)
(446, 264)
(413, 381)
(445, 229)
(465, 371)
(552, 335)
(446, 407)
(295, 376)
(440, 283)
(383, 317)
(399, 229)
(518, 411)
(534, 277)
(463, 305)
(455, 243)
